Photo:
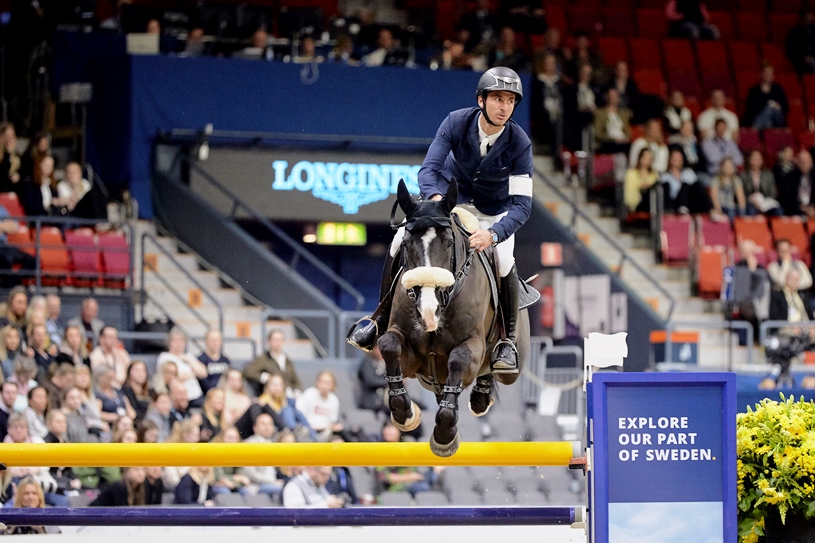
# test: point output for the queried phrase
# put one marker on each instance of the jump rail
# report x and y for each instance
(558, 453)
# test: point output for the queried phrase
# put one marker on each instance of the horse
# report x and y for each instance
(443, 322)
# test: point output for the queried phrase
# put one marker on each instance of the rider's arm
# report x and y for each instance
(520, 190)
(430, 180)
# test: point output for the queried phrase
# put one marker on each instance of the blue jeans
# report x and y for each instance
(769, 117)
(56, 500)
(223, 490)
(272, 489)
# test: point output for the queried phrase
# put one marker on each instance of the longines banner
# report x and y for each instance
(310, 185)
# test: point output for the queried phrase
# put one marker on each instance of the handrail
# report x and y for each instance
(577, 212)
(729, 325)
(305, 313)
(299, 251)
(173, 290)
(767, 325)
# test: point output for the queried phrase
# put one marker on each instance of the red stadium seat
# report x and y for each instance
(809, 89)
(744, 82)
(752, 26)
(678, 55)
(612, 50)
(776, 139)
(446, 17)
(756, 229)
(781, 24)
(806, 139)
(750, 140)
(717, 79)
(652, 23)
(675, 240)
(116, 258)
(797, 117)
(788, 6)
(715, 234)
(752, 5)
(556, 17)
(621, 3)
(86, 257)
(645, 54)
(22, 240)
(11, 202)
(712, 56)
(651, 82)
(685, 82)
(744, 56)
(791, 84)
(793, 230)
(54, 260)
(710, 272)
(723, 20)
(584, 19)
(775, 55)
(617, 21)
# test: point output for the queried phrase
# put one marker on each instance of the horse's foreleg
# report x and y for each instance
(405, 414)
(462, 361)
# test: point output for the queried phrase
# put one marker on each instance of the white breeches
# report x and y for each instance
(505, 249)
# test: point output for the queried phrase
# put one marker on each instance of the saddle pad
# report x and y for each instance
(527, 296)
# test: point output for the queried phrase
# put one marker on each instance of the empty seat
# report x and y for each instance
(675, 240)
(11, 202)
(688, 83)
(717, 79)
(464, 497)
(115, 258)
(556, 17)
(751, 26)
(613, 50)
(584, 19)
(809, 89)
(715, 234)
(744, 56)
(780, 25)
(498, 498)
(395, 499)
(755, 229)
(678, 55)
(431, 499)
(744, 82)
(791, 84)
(645, 54)
(752, 5)
(806, 139)
(617, 21)
(712, 56)
(723, 20)
(797, 117)
(750, 140)
(258, 500)
(652, 22)
(22, 240)
(788, 6)
(650, 82)
(54, 260)
(775, 55)
(709, 272)
(86, 257)
(776, 139)
(232, 499)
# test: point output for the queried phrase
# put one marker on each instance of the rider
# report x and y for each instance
(490, 156)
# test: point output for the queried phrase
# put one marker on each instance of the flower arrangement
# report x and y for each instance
(776, 463)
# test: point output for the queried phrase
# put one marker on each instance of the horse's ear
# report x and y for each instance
(406, 202)
(451, 198)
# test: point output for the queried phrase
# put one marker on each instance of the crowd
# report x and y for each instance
(73, 381)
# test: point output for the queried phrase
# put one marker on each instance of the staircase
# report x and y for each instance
(713, 344)
(183, 287)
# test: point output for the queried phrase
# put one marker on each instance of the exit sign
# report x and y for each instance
(341, 233)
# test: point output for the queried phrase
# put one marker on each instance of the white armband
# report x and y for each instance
(520, 185)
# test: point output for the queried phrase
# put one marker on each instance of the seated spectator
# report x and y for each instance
(343, 52)
(90, 406)
(38, 193)
(136, 389)
(759, 186)
(128, 435)
(718, 148)
(791, 302)
(11, 256)
(230, 479)
(727, 193)
(29, 494)
(110, 353)
(212, 414)
(751, 286)
(56, 330)
(73, 189)
(89, 321)
(18, 430)
(652, 138)
(15, 311)
(36, 412)
(341, 482)
(195, 487)
(195, 46)
(452, 57)
(690, 19)
(110, 400)
(147, 432)
(612, 126)
(10, 349)
(686, 140)
(582, 54)
(784, 263)
(553, 44)
(707, 119)
(180, 404)
(371, 377)
(258, 49)
(638, 182)
(401, 479)
(164, 378)
(25, 369)
(579, 105)
(190, 369)
(159, 414)
(525, 16)
(767, 105)
(274, 396)
(547, 101)
(187, 431)
(73, 349)
(796, 188)
(627, 89)
(38, 344)
(236, 400)
(273, 362)
(130, 491)
(287, 473)
(307, 52)
(385, 46)
(321, 406)
(213, 358)
(38, 148)
(480, 24)
(78, 428)
(8, 397)
(61, 380)
(10, 162)
(800, 43)
(57, 424)
(308, 490)
(676, 113)
(265, 477)
(683, 192)
(784, 165)
(506, 52)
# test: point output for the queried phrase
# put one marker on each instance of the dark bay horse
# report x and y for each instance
(442, 323)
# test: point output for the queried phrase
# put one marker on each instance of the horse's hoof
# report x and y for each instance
(413, 422)
(444, 450)
(481, 414)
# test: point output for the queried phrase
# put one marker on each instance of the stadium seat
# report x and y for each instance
(446, 17)
(613, 50)
(793, 230)
(788, 6)
(22, 240)
(775, 55)
(622, 3)
(752, 5)
(556, 17)
(780, 25)
(678, 55)
(675, 240)
(715, 234)
(688, 83)
(797, 117)
(650, 82)
(744, 56)
(744, 82)
(116, 258)
(809, 89)
(617, 21)
(791, 84)
(751, 26)
(584, 19)
(712, 56)
(645, 54)
(86, 257)
(776, 139)
(54, 259)
(713, 79)
(11, 202)
(756, 229)
(395, 499)
(750, 140)
(652, 23)
(806, 139)
(710, 271)
(723, 20)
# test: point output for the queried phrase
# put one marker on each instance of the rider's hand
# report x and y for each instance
(436, 198)
(480, 240)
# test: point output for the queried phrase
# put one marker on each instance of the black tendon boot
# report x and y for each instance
(365, 338)
(505, 353)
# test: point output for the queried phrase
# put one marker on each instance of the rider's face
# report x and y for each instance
(500, 105)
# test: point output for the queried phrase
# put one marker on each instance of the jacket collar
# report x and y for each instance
(500, 143)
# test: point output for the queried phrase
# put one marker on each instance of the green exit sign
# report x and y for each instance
(341, 233)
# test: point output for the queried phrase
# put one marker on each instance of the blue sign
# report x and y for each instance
(348, 185)
(664, 457)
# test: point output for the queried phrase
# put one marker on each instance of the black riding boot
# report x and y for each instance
(365, 338)
(505, 353)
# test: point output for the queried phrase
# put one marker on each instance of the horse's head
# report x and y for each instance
(427, 251)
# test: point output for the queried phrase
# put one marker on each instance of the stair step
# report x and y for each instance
(202, 279)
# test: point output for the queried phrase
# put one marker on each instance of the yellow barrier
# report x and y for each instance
(284, 454)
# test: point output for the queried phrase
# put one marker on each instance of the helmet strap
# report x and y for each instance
(484, 111)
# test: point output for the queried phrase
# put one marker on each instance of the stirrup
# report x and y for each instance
(353, 330)
(502, 365)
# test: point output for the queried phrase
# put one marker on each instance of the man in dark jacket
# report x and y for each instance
(790, 303)
(767, 105)
(800, 43)
(273, 362)
(796, 187)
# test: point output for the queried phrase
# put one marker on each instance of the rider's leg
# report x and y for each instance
(365, 337)
(505, 354)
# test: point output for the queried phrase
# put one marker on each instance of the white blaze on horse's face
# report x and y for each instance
(428, 278)
(427, 239)
(428, 307)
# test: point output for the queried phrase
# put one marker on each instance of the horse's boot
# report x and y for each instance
(505, 353)
(365, 338)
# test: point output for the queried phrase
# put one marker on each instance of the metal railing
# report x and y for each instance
(294, 315)
(728, 325)
(766, 326)
(197, 340)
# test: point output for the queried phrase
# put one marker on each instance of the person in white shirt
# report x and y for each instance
(321, 407)
(308, 490)
(109, 352)
(785, 262)
(654, 141)
(707, 119)
(384, 45)
(190, 369)
(74, 187)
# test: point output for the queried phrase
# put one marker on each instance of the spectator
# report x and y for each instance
(61, 380)
(258, 49)
(153, 27)
(707, 119)
(686, 140)
(66, 481)
(506, 52)
(480, 25)
(638, 183)
(652, 138)
(164, 378)
(683, 192)
(553, 45)
(36, 412)
(791, 302)
(110, 353)
(273, 362)
(190, 369)
(676, 113)
(212, 414)
(9, 160)
(180, 402)
(128, 435)
(195, 487)
(265, 477)
(36, 320)
(214, 360)
(110, 400)
(525, 16)
(147, 432)
(78, 426)
(11, 256)
(38, 148)
(136, 388)
(187, 431)
(286, 409)
(453, 57)
(235, 398)
(371, 376)
(307, 52)
(751, 287)
(784, 165)
(341, 482)
(308, 490)
(38, 193)
(800, 43)
(25, 369)
(321, 406)
(16, 310)
(56, 330)
(580, 105)
(784, 263)
(385, 46)
(78, 196)
(73, 349)
(796, 188)
(343, 52)
(230, 479)
(130, 491)
(547, 102)
(759, 186)
(718, 148)
(767, 105)
(8, 397)
(690, 19)
(159, 414)
(153, 485)
(627, 89)
(195, 45)
(90, 407)
(580, 55)
(401, 479)
(89, 321)
(18, 430)
(727, 193)
(10, 349)
(612, 128)
(29, 495)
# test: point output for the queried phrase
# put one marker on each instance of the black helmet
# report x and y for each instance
(500, 78)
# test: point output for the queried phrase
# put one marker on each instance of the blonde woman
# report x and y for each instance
(187, 431)
(29, 495)
(213, 414)
(236, 399)
(727, 192)
(10, 349)
(73, 349)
